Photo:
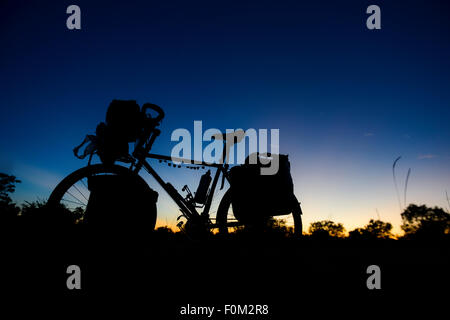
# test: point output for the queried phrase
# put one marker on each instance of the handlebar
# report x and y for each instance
(156, 108)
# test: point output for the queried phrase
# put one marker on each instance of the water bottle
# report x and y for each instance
(203, 186)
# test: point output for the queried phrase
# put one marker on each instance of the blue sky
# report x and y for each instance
(347, 100)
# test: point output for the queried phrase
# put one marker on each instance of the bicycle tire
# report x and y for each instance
(60, 190)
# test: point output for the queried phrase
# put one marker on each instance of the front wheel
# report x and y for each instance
(108, 197)
(226, 220)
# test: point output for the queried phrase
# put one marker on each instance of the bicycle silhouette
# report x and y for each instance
(75, 192)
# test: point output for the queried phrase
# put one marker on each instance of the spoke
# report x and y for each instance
(80, 192)
(84, 184)
(79, 201)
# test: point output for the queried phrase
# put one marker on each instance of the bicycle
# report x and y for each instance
(73, 192)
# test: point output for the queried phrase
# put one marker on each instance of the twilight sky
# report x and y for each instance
(347, 100)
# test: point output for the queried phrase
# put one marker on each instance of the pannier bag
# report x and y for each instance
(121, 203)
(124, 122)
(257, 196)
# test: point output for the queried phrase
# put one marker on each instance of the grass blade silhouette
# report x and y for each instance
(395, 182)
(406, 186)
(448, 200)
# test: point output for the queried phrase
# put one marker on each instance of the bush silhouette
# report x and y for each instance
(37, 213)
(424, 222)
(418, 222)
(163, 233)
(326, 229)
(279, 226)
(271, 227)
(375, 229)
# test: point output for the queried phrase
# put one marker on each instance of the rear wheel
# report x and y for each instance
(227, 221)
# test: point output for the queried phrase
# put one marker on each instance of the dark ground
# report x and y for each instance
(291, 276)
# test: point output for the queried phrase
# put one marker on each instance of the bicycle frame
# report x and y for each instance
(187, 208)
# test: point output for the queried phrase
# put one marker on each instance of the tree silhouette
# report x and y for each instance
(8, 208)
(78, 214)
(7, 185)
(375, 229)
(326, 229)
(424, 222)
